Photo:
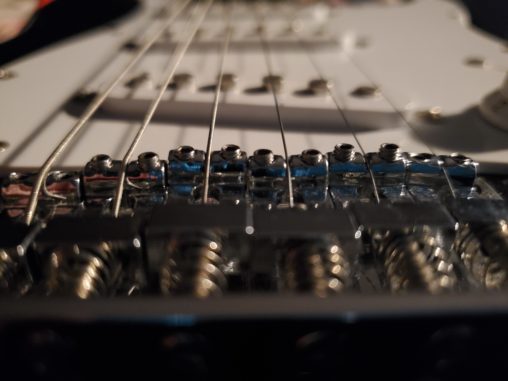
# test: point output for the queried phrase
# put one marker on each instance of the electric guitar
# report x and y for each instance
(236, 161)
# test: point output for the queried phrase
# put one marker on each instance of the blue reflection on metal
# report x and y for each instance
(178, 320)
(269, 172)
(427, 168)
(309, 171)
(186, 166)
(462, 172)
(181, 189)
(385, 167)
(228, 166)
(348, 167)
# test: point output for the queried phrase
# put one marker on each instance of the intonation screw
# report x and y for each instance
(344, 152)
(389, 152)
(231, 151)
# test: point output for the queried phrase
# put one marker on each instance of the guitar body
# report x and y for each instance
(419, 65)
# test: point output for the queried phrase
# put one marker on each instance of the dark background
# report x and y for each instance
(490, 15)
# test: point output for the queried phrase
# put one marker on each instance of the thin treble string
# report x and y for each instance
(403, 117)
(90, 111)
(341, 111)
(215, 109)
(179, 53)
(266, 52)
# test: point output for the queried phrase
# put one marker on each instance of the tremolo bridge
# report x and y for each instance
(385, 220)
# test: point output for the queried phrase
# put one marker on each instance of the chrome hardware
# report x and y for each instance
(463, 172)
(267, 172)
(185, 171)
(228, 168)
(100, 178)
(82, 272)
(348, 174)
(7, 271)
(231, 152)
(263, 157)
(310, 175)
(389, 170)
(417, 261)
(484, 251)
(149, 161)
(315, 266)
(146, 181)
(193, 265)
(425, 178)
(344, 152)
(61, 193)
(101, 162)
(389, 152)
(15, 278)
(312, 157)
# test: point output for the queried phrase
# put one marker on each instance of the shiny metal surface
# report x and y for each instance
(193, 266)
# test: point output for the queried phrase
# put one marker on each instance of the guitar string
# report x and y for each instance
(267, 55)
(403, 117)
(228, 32)
(91, 110)
(179, 53)
(341, 111)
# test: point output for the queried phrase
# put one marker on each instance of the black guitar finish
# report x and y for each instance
(62, 19)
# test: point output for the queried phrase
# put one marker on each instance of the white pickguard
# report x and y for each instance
(415, 53)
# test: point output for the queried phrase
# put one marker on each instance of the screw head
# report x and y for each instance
(185, 153)
(421, 157)
(312, 156)
(231, 151)
(102, 161)
(344, 152)
(389, 152)
(264, 156)
(460, 159)
(149, 161)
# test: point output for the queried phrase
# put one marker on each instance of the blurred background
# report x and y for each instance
(26, 25)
